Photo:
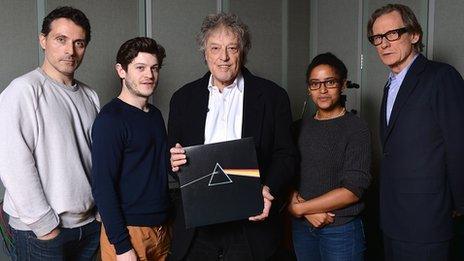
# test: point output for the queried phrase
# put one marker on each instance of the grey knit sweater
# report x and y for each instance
(335, 153)
(45, 156)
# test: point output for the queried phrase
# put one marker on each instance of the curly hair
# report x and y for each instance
(230, 21)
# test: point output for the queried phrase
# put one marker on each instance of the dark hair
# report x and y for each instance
(231, 22)
(131, 48)
(408, 17)
(68, 12)
(330, 60)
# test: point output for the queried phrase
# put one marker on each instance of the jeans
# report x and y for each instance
(344, 242)
(79, 243)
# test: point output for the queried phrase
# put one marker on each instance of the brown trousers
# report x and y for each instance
(149, 243)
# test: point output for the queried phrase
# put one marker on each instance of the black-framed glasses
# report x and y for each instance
(391, 36)
(328, 84)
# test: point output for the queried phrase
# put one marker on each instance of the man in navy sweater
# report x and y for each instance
(129, 160)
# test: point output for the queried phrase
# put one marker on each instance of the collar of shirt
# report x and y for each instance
(394, 84)
(238, 82)
(398, 78)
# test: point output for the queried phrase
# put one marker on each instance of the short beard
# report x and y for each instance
(131, 86)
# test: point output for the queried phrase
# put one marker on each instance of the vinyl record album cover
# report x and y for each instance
(220, 183)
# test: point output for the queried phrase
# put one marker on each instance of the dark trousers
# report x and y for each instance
(71, 244)
(457, 248)
(396, 250)
(226, 242)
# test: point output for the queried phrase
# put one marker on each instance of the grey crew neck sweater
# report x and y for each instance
(45, 159)
(335, 153)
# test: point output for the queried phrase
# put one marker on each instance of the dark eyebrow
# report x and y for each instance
(325, 79)
(64, 36)
(144, 64)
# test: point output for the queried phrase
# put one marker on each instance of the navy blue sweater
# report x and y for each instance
(129, 175)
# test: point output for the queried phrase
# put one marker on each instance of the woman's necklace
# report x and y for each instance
(317, 117)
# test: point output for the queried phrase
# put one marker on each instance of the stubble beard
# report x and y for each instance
(132, 88)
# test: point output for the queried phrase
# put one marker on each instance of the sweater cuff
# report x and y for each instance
(356, 190)
(45, 224)
(123, 246)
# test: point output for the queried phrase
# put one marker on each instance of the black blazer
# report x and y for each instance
(422, 166)
(266, 118)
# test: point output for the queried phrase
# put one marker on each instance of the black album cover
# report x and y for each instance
(220, 183)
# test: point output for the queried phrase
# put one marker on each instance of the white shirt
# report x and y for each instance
(225, 112)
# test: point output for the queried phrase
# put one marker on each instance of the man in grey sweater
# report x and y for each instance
(45, 162)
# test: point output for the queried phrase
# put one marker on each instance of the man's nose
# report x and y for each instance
(69, 48)
(224, 55)
(385, 43)
(150, 74)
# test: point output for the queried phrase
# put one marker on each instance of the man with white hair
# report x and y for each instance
(229, 103)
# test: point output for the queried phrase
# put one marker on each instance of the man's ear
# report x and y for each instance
(121, 72)
(42, 40)
(415, 38)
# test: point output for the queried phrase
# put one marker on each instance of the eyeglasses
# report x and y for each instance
(328, 84)
(391, 36)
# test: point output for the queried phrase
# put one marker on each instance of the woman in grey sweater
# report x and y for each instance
(335, 153)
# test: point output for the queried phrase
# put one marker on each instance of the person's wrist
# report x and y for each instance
(54, 233)
(299, 209)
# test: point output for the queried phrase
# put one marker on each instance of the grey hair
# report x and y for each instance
(230, 21)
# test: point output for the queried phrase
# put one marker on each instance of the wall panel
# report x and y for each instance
(19, 40)
(264, 19)
(175, 25)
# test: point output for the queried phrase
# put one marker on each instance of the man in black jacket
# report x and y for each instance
(229, 103)
(421, 126)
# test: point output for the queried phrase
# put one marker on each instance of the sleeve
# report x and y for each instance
(356, 176)
(449, 108)
(174, 128)
(96, 100)
(282, 168)
(107, 154)
(174, 121)
(19, 131)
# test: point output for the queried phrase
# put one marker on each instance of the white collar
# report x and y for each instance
(238, 82)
